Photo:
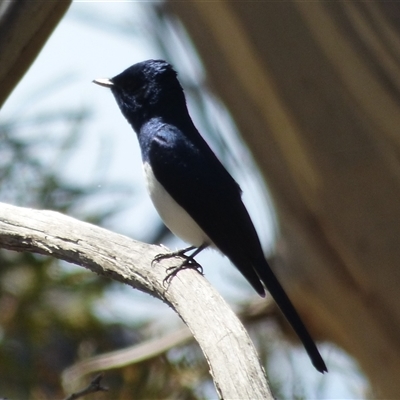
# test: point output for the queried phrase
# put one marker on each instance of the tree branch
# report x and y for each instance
(93, 387)
(234, 364)
(260, 309)
(127, 356)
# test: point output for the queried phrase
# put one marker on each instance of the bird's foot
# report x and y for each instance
(188, 263)
(171, 254)
(178, 253)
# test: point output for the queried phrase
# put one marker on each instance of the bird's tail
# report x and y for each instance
(274, 287)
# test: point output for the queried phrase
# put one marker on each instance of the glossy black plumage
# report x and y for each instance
(152, 100)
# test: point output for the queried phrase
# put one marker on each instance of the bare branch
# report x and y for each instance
(260, 309)
(94, 386)
(127, 356)
(233, 361)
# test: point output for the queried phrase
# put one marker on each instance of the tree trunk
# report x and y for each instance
(314, 90)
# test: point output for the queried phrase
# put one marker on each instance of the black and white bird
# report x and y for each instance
(194, 194)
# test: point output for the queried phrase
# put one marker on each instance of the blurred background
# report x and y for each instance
(301, 103)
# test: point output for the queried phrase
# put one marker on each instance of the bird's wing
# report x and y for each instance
(198, 182)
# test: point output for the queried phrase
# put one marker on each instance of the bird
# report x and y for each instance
(195, 196)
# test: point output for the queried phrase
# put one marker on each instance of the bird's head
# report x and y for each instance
(145, 90)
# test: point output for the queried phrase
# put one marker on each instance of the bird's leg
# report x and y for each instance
(189, 261)
(178, 253)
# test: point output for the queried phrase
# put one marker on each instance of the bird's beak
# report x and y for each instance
(103, 82)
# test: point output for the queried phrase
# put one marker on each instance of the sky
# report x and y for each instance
(81, 50)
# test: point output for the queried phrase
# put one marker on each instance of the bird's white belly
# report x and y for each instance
(174, 216)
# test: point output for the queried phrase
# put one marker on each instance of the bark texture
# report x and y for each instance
(314, 88)
(233, 361)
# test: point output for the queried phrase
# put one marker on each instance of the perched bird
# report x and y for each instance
(194, 194)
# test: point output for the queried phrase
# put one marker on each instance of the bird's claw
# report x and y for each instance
(163, 256)
(189, 263)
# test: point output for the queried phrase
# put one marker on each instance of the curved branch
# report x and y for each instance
(233, 361)
(153, 347)
(127, 356)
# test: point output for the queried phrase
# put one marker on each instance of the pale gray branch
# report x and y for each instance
(259, 309)
(233, 361)
(127, 356)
